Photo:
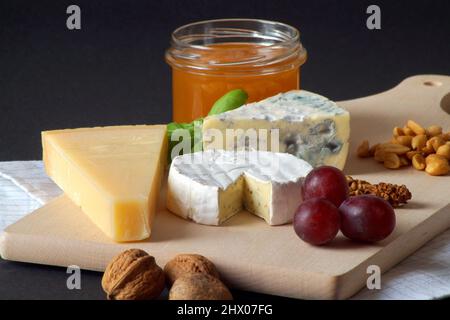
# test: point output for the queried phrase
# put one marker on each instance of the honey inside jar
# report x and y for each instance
(210, 58)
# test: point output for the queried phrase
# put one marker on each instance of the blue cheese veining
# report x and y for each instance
(310, 126)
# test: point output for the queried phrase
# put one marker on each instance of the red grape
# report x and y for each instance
(317, 221)
(367, 218)
(326, 182)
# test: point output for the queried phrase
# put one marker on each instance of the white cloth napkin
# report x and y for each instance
(24, 187)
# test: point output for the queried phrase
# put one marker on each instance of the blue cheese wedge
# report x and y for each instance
(211, 186)
(310, 127)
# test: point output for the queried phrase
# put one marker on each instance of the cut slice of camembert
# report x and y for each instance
(211, 186)
(112, 173)
(310, 126)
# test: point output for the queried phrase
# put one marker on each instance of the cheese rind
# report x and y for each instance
(210, 187)
(112, 173)
(310, 126)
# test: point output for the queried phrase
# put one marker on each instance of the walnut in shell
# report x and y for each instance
(133, 275)
(199, 286)
(184, 264)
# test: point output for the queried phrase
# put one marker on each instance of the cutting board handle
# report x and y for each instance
(432, 86)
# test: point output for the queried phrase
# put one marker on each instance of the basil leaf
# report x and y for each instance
(231, 100)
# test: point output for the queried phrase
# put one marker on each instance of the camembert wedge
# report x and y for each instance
(211, 186)
(112, 173)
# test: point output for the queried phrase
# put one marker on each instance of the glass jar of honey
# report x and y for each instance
(210, 58)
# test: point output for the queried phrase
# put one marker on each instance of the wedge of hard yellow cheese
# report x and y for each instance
(112, 173)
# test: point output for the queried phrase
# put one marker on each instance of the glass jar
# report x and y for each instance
(210, 58)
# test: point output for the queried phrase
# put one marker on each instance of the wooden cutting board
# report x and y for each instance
(254, 256)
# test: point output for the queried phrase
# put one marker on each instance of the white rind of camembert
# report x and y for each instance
(310, 126)
(210, 187)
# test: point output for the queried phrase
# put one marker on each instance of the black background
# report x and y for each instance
(112, 71)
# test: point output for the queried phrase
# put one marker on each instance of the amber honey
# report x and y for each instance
(211, 58)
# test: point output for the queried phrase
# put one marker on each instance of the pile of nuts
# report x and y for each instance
(396, 195)
(426, 149)
(134, 275)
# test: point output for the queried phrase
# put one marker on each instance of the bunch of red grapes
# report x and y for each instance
(327, 208)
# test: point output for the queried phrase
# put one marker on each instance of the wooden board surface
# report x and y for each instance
(254, 256)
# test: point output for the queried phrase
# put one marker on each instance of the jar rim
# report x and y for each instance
(177, 41)
(191, 41)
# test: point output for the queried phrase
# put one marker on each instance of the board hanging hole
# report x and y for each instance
(445, 103)
(432, 83)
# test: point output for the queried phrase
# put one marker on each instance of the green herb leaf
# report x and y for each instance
(231, 100)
